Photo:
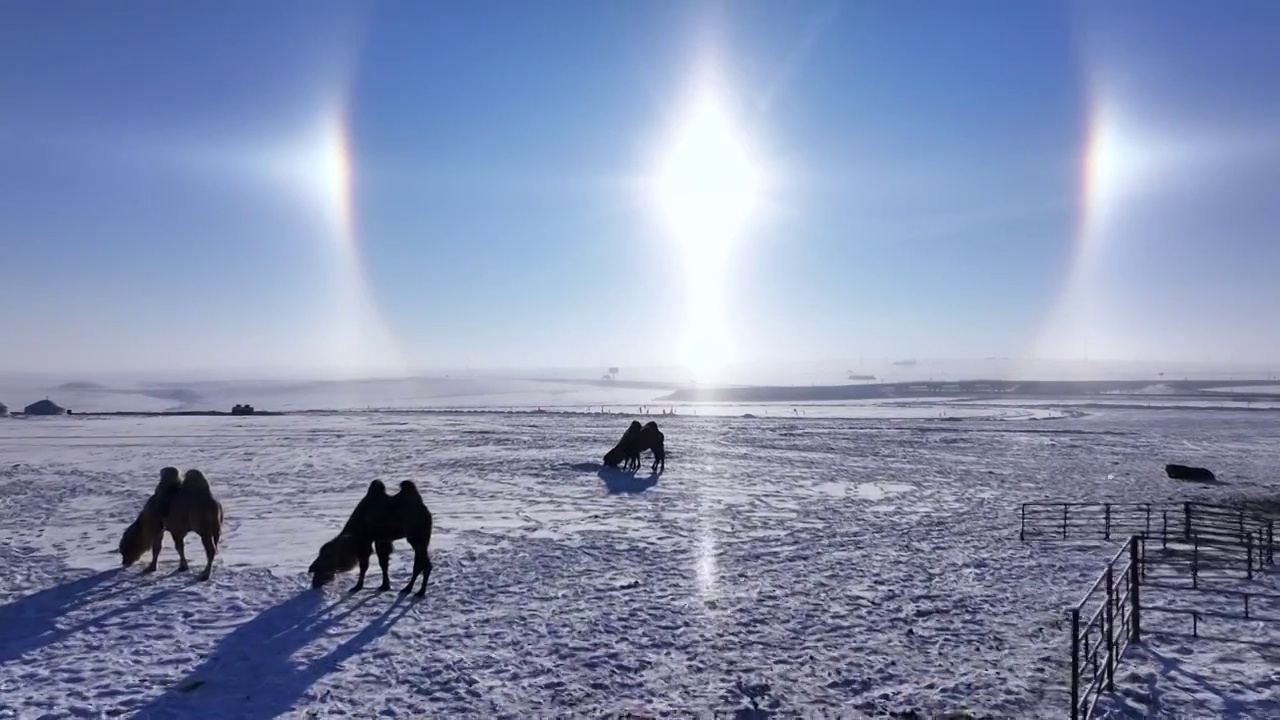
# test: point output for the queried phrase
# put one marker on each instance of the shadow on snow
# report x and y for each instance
(616, 480)
(252, 673)
(620, 481)
(41, 619)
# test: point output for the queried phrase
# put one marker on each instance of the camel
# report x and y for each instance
(181, 506)
(148, 529)
(622, 451)
(637, 439)
(651, 439)
(378, 520)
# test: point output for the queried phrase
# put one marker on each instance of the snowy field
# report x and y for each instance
(801, 565)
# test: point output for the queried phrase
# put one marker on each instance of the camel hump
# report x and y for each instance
(195, 481)
(407, 486)
(376, 488)
(651, 424)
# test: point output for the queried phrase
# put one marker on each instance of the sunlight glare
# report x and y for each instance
(1117, 162)
(707, 191)
(708, 188)
(316, 167)
(314, 164)
(1127, 157)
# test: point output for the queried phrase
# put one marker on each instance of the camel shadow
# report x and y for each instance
(252, 674)
(623, 482)
(41, 618)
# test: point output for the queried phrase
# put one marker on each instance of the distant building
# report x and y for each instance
(242, 410)
(3, 410)
(45, 407)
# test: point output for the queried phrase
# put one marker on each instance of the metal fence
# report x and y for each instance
(1250, 603)
(1197, 542)
(1103, 623)
(1167, 522)
(1083, 521)
(1216, 524)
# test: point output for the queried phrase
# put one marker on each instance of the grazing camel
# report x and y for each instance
(378, 520)
(181, 506)
(637, 439)
(621, 452)
(651, 439)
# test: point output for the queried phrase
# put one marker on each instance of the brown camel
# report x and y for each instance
(181, 506)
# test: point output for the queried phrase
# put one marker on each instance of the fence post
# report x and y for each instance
(1195, 562)
(1270, 541)
(1109, 620)
(1186, 522)
(1075, 663)
(1134, 588)
(1064, 521)
(1022, 530)
(1248, 553)
(1164, 529)
(1106, 513)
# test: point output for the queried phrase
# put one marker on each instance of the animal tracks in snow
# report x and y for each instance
(775, 566)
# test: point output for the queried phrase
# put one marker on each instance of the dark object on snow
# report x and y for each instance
(635, 441)
(652, 439)
(45, 407)
(1186, 472)
(241, 410)
(378, 520)
(621, 451)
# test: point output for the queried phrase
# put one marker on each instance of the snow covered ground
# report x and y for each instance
(1230, 670)
(795, 564)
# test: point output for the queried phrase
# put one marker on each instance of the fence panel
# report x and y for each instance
(1170, 522)
(1103, 624)
(1098, 521)
(1198, 540)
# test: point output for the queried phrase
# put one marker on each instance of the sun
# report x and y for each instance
(708, 186)
(707, 191)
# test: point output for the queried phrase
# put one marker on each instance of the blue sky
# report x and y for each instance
(941, 180)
